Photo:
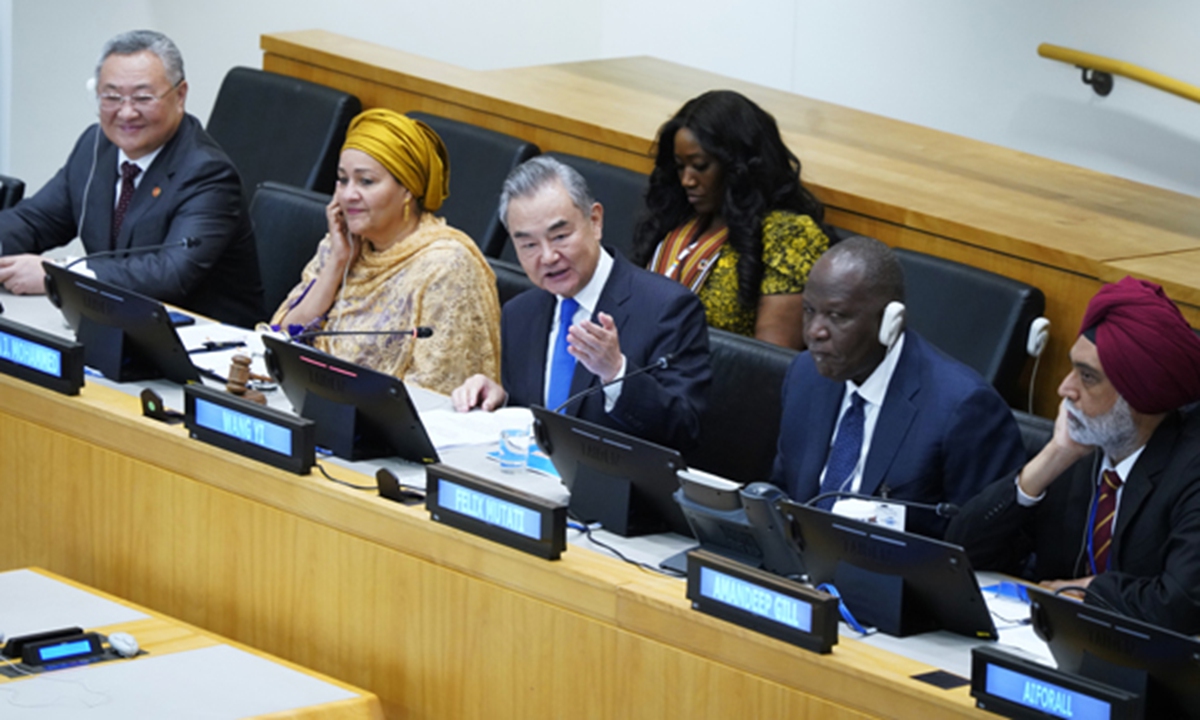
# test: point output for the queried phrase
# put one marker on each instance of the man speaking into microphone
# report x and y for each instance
(147, 175)
(593, 319)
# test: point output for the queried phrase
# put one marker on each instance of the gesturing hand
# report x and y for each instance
(597, 346)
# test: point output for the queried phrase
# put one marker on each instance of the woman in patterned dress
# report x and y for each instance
(729, 217)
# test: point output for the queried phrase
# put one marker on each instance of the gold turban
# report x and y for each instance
(410, 150)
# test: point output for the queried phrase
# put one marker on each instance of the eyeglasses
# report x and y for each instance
(140, 102)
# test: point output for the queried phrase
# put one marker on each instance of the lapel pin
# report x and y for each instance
(156, 191)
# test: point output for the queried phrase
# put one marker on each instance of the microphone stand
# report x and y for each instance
(187, 243)
(661, 363)
(422, 331)
(943, 509)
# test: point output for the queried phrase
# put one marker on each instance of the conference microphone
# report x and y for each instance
(422, 331)
(661, 363)
(188, 243)
(943, 509)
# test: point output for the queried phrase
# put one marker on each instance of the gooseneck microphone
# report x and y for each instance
(422, 331)
(661, 363)
(188, 243)
(943, 509)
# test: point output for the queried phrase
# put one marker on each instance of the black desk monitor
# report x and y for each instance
(125, 335)
(1161, 666)
(899, 582)
(360, 413)
(621, 481)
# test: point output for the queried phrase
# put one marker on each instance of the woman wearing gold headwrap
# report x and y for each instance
(388, 263)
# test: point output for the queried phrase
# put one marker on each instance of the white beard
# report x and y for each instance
(1114, 431)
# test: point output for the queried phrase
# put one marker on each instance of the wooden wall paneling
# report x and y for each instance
(436, 622)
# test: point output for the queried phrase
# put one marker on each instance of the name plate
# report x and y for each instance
(259, 433)
(481, 507)
(1018, 688)
(40, 358)
(766, 603)
(63, 652)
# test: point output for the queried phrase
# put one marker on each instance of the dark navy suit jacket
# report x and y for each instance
(942, 433)
(654, 317)
(191, 190)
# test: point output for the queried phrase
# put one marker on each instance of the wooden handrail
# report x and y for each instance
(1088, 61)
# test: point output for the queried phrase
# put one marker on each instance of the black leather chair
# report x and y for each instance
(1036, 431)
(740, 427)
(978, 317)
(289, 223)
(11, 191)
(281, 128)
(511, 280)
(480, 160)
(622, 193)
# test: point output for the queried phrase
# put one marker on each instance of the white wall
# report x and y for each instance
(5, 79)
(964, 66)
(969, 67)
(55, 46)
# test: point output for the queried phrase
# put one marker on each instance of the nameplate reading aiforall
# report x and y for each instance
(763, 602)
(1018, 688)
(40, 358)
(481, 507)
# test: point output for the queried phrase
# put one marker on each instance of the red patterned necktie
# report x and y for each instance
(1102, 528)
(129, 171)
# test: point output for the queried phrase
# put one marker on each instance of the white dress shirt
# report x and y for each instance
(588, 298)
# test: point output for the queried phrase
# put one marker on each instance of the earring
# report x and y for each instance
(406, 207)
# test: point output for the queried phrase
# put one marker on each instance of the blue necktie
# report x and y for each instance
(847, 447)
(562, 365)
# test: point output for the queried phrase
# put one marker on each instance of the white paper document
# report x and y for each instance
(448, 428)
(196, 337)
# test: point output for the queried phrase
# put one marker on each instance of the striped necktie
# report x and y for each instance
(1102, 526)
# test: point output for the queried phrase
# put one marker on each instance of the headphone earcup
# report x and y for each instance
(91, 91)
(123, 644)
(1039, 335)
(892, 323)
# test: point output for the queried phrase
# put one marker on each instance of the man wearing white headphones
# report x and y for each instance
(873, 409)
(146, 175)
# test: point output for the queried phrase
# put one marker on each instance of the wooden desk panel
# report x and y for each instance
(1178, 272)
(435, 622)
(161, 635)
(1055, 226)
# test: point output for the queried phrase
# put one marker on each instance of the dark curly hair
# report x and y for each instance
(759, 173)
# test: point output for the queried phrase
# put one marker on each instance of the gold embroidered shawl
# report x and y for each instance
(435, 277)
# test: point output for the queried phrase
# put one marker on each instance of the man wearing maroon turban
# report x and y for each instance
(1111, 505)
